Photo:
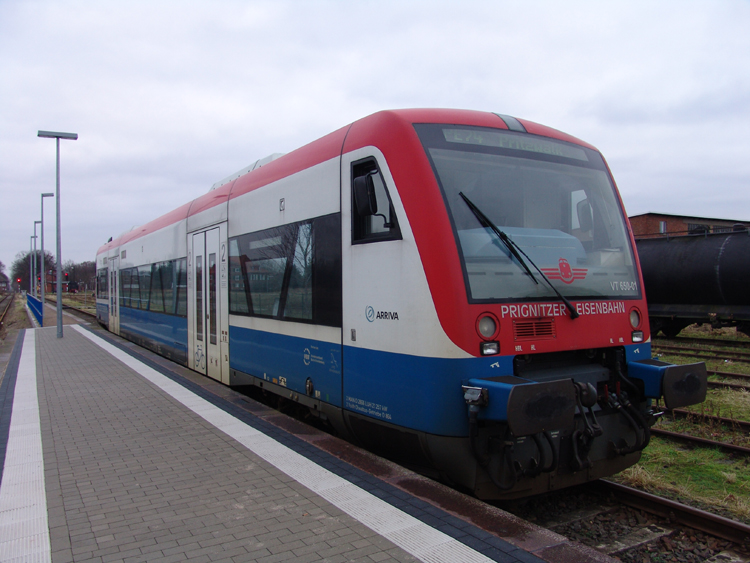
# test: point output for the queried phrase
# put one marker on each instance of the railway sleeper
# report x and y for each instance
(637, 538)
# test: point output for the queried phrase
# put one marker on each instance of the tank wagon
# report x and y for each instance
(697, 278)
(455, 290)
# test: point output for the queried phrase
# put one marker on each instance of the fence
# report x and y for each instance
(36, 307)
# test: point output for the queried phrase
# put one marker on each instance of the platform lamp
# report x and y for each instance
(36, 260)
(57, 136)
(44, 269)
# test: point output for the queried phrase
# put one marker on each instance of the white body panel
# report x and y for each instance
(388, 277)
(207, 218)
(332, 335)
(167, 243)
(310, 193)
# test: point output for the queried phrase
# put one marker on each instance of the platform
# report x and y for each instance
(113, 454)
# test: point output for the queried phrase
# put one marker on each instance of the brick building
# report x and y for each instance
(649, 225)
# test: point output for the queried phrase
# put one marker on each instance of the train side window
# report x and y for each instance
(373, 217)
(144, 282)
(298, 302)
(166, 273)
(101, 284)
(181, 287)
(292, 272)
(126, 287)
(156, 299)
(238, 296)
(265, 268)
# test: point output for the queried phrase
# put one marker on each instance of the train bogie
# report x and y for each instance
(455, 290)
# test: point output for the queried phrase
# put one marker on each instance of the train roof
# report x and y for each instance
(380, 125)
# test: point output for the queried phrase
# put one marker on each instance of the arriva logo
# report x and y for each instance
(372, 315)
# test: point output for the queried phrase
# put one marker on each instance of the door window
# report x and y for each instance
(373, 217)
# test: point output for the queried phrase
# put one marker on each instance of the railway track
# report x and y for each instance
(730, 375)
(633, 525)
(734, 423)
(5, 303)
(704, 354)
(72, 308)
(704, 442)
(727, 385)
(697, 519)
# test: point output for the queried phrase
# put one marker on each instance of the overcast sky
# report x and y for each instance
(170, 96)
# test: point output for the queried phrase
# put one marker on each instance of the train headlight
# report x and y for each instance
(487, 326)
(635, 317)
(637, 336)
(489, 348)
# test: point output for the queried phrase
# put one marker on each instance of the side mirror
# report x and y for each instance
(585, 219)
(364, 195)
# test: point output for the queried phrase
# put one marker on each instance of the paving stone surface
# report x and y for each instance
(132, 475)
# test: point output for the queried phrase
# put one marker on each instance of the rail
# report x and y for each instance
(701, 441)
(728, 374)
(727, 385)
(693, 517)
(682, 413)
(6, 303)
(743, 357)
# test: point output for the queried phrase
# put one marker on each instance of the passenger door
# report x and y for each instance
(208, 317)
(114, 295)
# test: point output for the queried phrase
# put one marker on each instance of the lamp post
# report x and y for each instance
(36, 260)
(57, 136)
(44, 268)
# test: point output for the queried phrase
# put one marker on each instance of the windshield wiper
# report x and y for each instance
(516, 251)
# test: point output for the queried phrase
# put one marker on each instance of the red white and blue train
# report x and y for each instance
(455, 290)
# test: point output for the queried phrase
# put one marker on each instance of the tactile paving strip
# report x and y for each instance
(24, 532)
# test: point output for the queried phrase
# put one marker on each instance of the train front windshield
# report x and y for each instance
(554, 200)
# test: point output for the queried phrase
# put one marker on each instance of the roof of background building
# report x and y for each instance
(689, 217)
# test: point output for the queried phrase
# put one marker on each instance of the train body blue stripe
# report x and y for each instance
(410, 391)
(288, 360)
(102, 313)
(168, 331)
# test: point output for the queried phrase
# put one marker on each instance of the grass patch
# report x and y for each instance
(17, 318)
(702, 477)
(728, 403)
(707, 331)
